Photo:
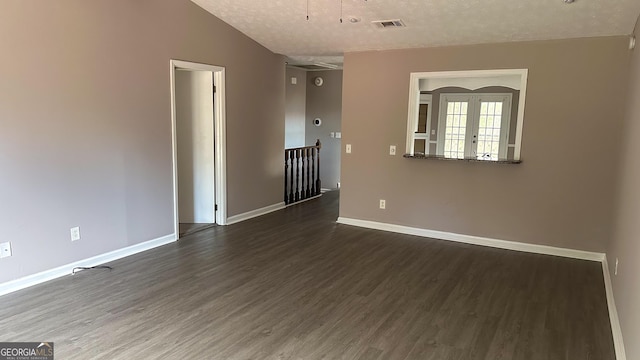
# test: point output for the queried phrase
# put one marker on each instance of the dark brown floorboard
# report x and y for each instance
(295, 285)
(192, 228)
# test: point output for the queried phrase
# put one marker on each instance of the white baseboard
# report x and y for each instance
(27, 281)
(254, 213)
(475, 240)
(613, 313)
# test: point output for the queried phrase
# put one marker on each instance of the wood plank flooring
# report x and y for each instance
(295, 285)
(191, 228)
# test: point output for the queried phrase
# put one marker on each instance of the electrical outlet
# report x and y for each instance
(615, 271)
(348, 148)
(75, 233)
(392, 150)
(5, 250)
(383, 204)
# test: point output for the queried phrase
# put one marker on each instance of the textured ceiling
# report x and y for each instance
(281, 25)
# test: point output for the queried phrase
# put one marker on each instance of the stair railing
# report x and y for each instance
(302, 173)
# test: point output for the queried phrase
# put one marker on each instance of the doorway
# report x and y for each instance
(199, 156)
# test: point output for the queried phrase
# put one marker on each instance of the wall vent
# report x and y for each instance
(383, 24)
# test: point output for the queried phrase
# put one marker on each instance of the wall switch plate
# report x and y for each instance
(5, 250)
(294, 80)
(75, 233)
(348, 148)
(383, 204)
(332, 134)
(433, 132)
(392, 150)
(338, 135)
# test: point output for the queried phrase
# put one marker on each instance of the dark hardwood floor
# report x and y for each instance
(185, 229)
(295, 285)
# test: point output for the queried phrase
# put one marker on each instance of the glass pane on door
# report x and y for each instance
(455, 130)
(489, 125)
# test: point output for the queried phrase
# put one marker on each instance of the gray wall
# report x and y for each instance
(561, 195)
(325, 102)
(296, 102)
(625, 244)
(86, 125)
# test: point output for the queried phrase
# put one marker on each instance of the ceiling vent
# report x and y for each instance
(310, 67)
(319, 66)
(327, 65)
(383, 24)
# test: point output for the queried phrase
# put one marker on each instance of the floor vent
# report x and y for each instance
(383, 24)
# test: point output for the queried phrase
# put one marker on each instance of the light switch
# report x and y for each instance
(294, 80)
(433, 132)
(348, 148)
(392, 150)
(338, 135)
(332, 134)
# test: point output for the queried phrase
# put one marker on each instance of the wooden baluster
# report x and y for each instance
(308, 178)
(313, 171)
(297, 193)
(291, 198)
(318, 182)
(304, 184)
(286, 168)
(303, 194)
(301, 173)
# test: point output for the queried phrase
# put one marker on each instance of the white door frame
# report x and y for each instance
(220, 139)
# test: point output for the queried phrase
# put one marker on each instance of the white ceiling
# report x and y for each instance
(281, 25)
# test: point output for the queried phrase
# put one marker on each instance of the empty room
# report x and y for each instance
(319, 179)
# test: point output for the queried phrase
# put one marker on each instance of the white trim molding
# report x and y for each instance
(254, 213)
(220, 137)
(618, 343)
(35, 279)
(475, 240)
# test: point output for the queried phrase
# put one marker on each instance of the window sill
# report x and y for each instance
(439, 157)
